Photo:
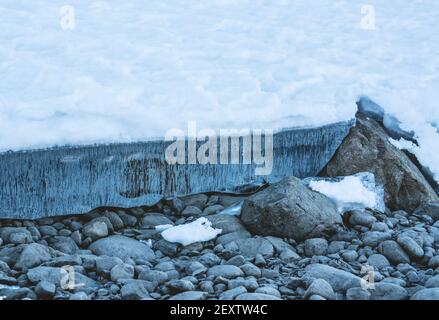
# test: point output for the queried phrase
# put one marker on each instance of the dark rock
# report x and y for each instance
(316, 247)
(289, 209)
(378, 261)
(367, 149)
(169, 249)
(122, 271)
(232, 293)
(197, 200)
(95, 230)
(176, 286)
(212, 209)
(357, 294)
(322, 288)
(64, 244)
(226, 223)
(411, 247)
(430, 209)
(191, 211)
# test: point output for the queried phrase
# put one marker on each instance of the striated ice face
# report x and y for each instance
(353, 192)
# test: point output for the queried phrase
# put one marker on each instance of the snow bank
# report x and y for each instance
(353, 192)
(197, 231)
(128, 68)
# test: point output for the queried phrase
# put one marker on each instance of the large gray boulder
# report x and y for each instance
(367, 149)
(289, 209)
(122, 247)
(33, 255)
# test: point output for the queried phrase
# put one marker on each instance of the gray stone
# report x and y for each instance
(232, 236)
(433, 282)
(225, 271)
(212, 209)
(378, 261)
(32, 255)
(388, 291)
(322, 288)
(48, 231)
(336, 246)
(250, 284)
(15, 235)
(64, 244)
(338, 279)
(128, 220)
(60, 276)
(226, 223)
(289, 209)
(195, 268)
(357, 294)
(361, 218)
(169, 249)
(368, 149)
(256, 296)
(350, 255)
(122, 247)
(392, 251)
(236, 260)
(154, 275)
(288, 256)
(252, 246)
(268, 290)
(190, 211)
(232, 293)
(104, 264)
(197, 200)
(190, 295)
(374, 238)
(316, 247)
(410, 246)
(251, 270)
(45, 290)
(209, 259)
(426, 294)
(134, 290)
(122, 271)
(79, 296)
(151, 220)
(95, 230)
(176, 286)
(115, 220)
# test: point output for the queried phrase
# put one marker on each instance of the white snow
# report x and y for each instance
(352, 192)
(199, 230)
(131, 70)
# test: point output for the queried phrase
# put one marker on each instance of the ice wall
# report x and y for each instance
(73, 180)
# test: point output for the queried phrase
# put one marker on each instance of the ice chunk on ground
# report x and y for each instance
(353, 192)
(233, 210)
(199, 230)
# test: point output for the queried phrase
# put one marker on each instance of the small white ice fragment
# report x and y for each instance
(199, 230)
(234, 210)
(353, 192)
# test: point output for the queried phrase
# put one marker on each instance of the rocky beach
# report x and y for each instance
(284, 241)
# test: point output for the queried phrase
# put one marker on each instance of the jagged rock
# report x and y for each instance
(289, 209)
(367, 149)
(122, 247)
